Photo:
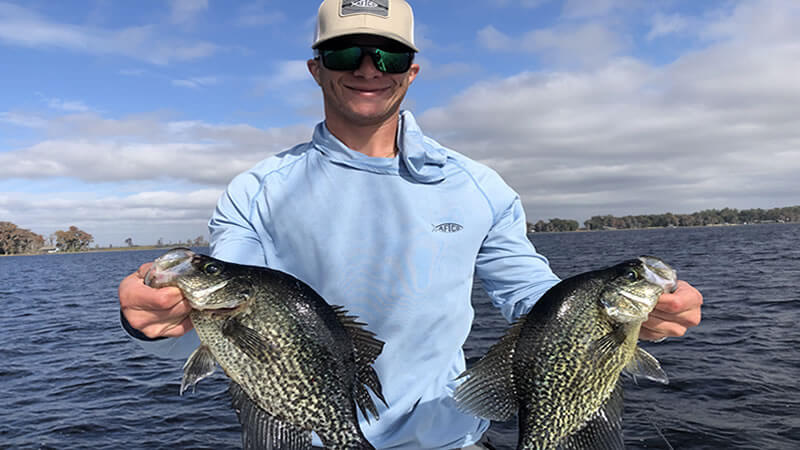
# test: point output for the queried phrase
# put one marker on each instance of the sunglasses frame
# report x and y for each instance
(365, 50)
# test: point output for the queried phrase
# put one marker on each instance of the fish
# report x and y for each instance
(296, 363)
(558, 367)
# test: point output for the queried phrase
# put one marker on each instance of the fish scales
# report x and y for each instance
(296, 363)
(558, 366)
(288, 382)
(570, 389)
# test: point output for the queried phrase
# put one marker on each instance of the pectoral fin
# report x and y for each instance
(248, 340)
(201, 363)
(605, 347)
(643, 364)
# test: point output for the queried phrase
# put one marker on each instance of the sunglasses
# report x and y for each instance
(349, 58)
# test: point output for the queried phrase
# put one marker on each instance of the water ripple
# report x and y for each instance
(71, 379)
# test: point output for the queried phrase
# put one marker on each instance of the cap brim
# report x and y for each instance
(366, 30)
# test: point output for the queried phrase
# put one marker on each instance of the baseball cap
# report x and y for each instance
(391, 19)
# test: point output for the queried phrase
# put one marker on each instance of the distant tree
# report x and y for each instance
(556, 225)
(15, 240)
(73, 240)
(129, 241)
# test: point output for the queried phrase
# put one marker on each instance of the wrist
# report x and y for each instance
(133, 332)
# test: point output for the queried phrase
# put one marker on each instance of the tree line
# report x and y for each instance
(725, 216)
(15, 240)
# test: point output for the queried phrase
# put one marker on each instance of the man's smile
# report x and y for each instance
(369, 90)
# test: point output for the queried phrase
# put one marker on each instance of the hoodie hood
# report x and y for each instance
(423, 160)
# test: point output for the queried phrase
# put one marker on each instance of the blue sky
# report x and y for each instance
(127, 119)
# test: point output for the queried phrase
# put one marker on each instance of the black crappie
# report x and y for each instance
(558, 366)
(296, 363)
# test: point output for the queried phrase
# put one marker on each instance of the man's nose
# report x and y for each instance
(367, 68)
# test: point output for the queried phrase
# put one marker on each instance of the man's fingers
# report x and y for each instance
(674, 313)
(685, 298)
(154, 312)
(656, 328)
(143, 269)
(168, 330)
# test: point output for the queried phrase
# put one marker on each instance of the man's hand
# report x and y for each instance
(674, 313)
(155, 312)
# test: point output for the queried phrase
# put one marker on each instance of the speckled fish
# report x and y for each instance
(558, 367)
(296, 363)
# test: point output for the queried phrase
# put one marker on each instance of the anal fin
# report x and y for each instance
(644, 365)
(201, 363)
(261, 431)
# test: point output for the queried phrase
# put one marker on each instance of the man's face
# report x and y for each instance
(364, 96)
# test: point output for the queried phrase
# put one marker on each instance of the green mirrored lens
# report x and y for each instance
(391, 62)
(342, 59)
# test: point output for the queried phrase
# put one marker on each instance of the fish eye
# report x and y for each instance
(631, 275)
(212, 268)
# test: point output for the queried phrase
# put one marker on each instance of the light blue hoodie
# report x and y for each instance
(397, 242)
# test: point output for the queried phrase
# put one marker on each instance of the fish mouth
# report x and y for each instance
(167, 267)
(645, 302)
(198, 299)
(659, 273)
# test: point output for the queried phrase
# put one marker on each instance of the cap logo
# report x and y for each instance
(374, 7)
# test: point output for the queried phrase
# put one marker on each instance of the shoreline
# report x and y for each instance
(584, 230)
(529, 232)
(104, 249)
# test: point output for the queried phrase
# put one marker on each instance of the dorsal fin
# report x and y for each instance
(367, 348)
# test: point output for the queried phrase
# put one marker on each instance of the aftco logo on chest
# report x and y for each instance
(448, 227)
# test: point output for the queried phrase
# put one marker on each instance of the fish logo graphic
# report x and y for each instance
(448, 227)
(374, 7)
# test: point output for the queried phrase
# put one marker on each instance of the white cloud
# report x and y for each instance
(717, 127)
(65, 105)
(258, 14)
(666, 24)
(586, 44)
(186, 10)
(94, 149)
(430, 70)
(196, 82)
(286, 72)
(494, 39)
(595, 8)
(22, 120)
(25, 28)
(145, 216)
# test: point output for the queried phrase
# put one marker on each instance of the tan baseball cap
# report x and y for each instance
(391, 19)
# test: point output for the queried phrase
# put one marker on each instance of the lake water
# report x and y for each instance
(71, 379)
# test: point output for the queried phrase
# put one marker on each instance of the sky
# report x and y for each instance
(128, 118)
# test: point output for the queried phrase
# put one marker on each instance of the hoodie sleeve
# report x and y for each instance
(514, 275)
(233, 234)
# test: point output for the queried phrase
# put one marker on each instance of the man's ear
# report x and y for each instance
(313, 69)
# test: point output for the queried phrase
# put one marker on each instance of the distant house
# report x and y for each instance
(48, 249)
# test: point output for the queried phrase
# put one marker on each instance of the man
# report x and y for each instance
(386, 222)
